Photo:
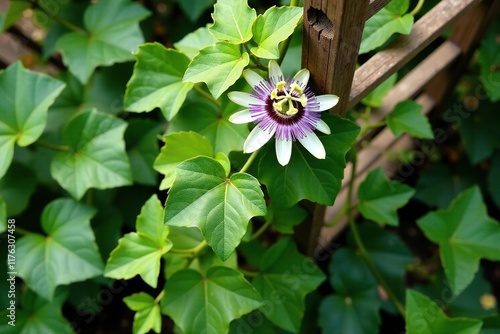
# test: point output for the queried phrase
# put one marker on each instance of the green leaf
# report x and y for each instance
(25, 97)
(113, 32)
(139, 253)
(13, 13)
(493, 179)
(465, 234)
(96, 156)
(425, 317)
(388, 21)
(379, 198)
(67, 254)
(218, 65)
(157, 80)
(17, 186)
(195, 8)
(207, 304)
(407, 117)
(148, 316)
(376, 97)
(193, 42)
(489, 62)
(202, 196)
(441, 183)
(273, 27)
(233, 21)
(142, 148)
(179, 147)
(306, 177)
(37, 315)
(354, 308)
(480, 133)
(285, 278)
(284, 219)
(207, 121)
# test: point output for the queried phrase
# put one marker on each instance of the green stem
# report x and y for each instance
(207, 95)
(249, 162)
(194, 251)
(55, 17)
(22, 231)
(371, 126)
(341, 214)
(50, 146)
(418, 7)
(364, 253)
(160, 296)
(248, 273)
(260, 230)
(286, 43)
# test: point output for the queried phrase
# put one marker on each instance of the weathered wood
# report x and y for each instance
(375, 6)
(386, 62)
(466, 35)
(331, 39)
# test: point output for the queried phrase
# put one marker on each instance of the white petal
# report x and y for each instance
(283, 151)
(302, 76)
(241, 117)
(252, 78)
(243, 99)
(313, 145)
(275, 71)
(256, 139)
(327, 101)
(322, 126)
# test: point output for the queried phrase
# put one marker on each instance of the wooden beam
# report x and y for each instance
(376, 6)
(388, 61)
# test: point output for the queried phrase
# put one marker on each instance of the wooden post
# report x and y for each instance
(331, 38)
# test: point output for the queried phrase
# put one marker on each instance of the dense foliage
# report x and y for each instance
(159, 176)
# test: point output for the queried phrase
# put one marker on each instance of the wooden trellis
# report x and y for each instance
(331, 40)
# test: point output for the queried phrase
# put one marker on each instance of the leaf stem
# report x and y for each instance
(417, 8)
(38, 5)
(364, 253)
(342, 213)
(160, 296)
(193, 251)
(371, 126)
(22, 231)
(207, 95)
(260, 230)
(50, 146)
(248, 273)
(249, 162)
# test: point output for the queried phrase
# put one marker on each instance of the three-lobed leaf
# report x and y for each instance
(407, 117)
(67, 254)
(233, 20)
(423, 316)
(26, 97)
(389, 20)
(306, 177)
(203, 196)
(285, 278)
(273, 27)
(112, 34)
(96, 156)
(465, 234)
(218, 65)
(139, 253)
(379, 198)
(179, 147)
(208, 303)
(157, 80)
(147, 316)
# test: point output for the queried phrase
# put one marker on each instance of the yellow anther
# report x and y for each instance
(291, 110)
(278, 106)
(296, 88)
(274, 94)
(281, 85)
(302, 100)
